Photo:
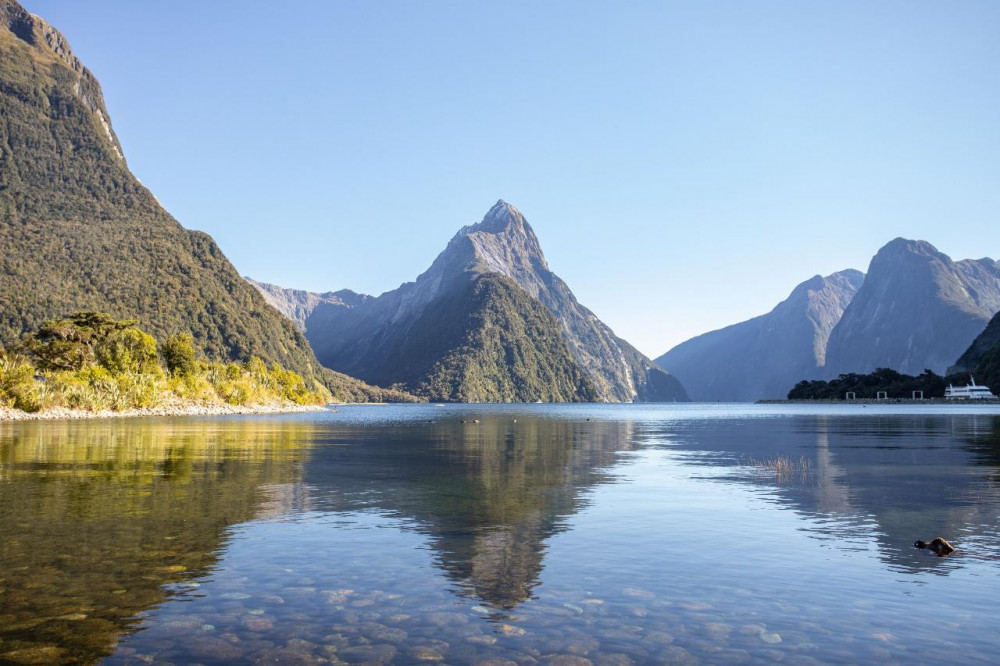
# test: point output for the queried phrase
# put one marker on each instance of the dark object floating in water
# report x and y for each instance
(938, 546)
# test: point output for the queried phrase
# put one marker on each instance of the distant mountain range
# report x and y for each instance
(79, 232)
(915, 309)
(487, 321)
(765, 356)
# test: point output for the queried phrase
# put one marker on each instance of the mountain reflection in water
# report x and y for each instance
(894, 479)
(486, 494)
(609, 534)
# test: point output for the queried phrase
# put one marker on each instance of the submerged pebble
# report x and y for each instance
(43, 654)
(484, 639)
(770, 637)
(424, 653)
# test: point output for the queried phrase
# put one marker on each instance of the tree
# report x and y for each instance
(128, 351)
(177, 353)
(70, 343)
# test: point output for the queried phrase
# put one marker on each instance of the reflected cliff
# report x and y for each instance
(103, 521)
(883, 479)
(487, 495)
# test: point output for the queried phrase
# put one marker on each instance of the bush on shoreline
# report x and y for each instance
(92, 362)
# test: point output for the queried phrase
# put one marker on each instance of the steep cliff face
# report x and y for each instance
(765, 356)
(358, 339)
(917, 309)
(79, 232)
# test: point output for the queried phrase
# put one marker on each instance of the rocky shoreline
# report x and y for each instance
(62, 413)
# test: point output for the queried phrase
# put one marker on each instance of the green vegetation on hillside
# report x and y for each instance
(982, 358)
(79, 232)
(896, 385)
(509, 349)
(93, 362)
(987, 370)
(484, 340)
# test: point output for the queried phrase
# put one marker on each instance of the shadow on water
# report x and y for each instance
(104, 521)
(887, 479)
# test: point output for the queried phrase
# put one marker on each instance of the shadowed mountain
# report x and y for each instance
(917, 309)
(422, 335)
(765, 356)
(79, 232)
(982, 358)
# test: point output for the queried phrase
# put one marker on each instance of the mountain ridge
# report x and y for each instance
(503, 244)
(917, 309)
(763, 357)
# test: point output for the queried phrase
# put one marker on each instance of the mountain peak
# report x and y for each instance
(470, 281)
(503, 242)
(902, 245)
(46, 44)
(502, 217)
(917, 309)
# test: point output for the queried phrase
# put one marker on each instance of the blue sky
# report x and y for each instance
(684, 164)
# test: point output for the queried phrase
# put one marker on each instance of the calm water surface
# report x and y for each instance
(552, 534)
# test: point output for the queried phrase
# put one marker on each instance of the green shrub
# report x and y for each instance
(129, 351)
(137, 390)
(177, 353)
(194, 387)
(119, 370)
(17, 384)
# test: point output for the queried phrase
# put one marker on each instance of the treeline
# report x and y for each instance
(895, 384)
(93, 362)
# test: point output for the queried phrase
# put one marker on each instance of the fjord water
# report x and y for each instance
(560, 534)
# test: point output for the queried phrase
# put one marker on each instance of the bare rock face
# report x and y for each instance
(765, 356)
(917, 309)
(359, 338)
(298, 304)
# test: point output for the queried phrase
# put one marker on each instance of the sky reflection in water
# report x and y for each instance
(566, 534)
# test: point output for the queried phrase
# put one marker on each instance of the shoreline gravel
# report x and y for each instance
(62, 413)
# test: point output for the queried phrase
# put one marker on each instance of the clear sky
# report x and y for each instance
(684, 164)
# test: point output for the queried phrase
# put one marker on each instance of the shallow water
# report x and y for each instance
(560, 534)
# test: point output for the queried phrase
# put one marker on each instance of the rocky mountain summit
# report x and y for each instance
(765, 356)
(917, 309)
(367, 338)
